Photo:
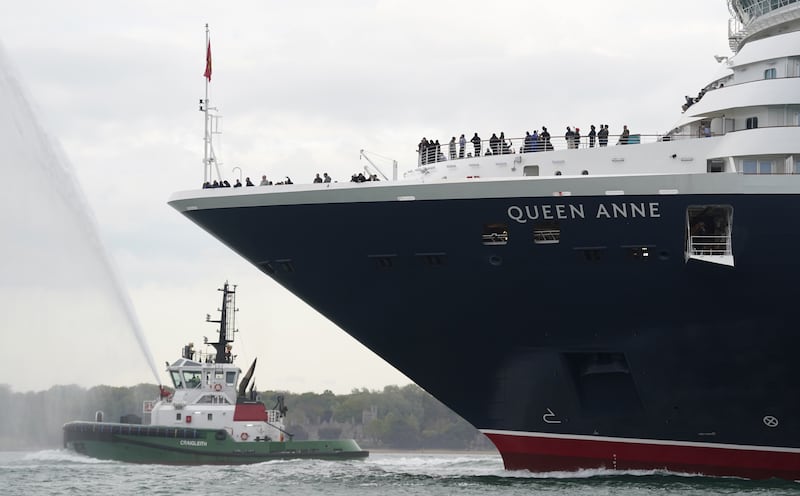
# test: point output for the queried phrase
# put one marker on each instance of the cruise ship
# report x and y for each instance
(627, 306)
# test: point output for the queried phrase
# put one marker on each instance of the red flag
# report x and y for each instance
(207, 74)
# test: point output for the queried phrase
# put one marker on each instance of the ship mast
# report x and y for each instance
(226, 325)
(210, 120)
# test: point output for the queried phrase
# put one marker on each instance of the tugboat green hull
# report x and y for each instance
(135, 443)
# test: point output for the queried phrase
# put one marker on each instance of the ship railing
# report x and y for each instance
(546, 236)
(710, 245)
(516, 146)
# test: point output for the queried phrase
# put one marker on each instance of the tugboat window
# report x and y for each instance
(192, 378)
(230, 378)
(176, 379)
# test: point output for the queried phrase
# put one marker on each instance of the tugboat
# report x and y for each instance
(207, 419)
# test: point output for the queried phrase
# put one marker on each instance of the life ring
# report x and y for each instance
(217, 387)
(244, 436)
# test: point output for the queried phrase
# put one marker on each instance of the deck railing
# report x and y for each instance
(709, 245)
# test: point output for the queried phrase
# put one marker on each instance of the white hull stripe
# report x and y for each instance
(627, 440)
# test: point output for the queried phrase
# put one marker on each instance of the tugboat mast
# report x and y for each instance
(226, 323)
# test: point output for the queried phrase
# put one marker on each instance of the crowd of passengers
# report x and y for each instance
(431, 151)
(325, 178)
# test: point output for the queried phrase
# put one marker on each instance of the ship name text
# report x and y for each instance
(560, 211)
(192, 442)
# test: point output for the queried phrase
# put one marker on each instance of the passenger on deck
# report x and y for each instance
(422, 149)
(453, 148)
(623, 138)
(505, 146)
(226, 184)
(326, 178)
(317, 179)
(592, 135)
(215, 184)
(238, 184)
(545, 140)
(264, 181)
(206, 185)
(526, 143)
(569, 137)
(602, 135)
(535, 141)
(248, 182)
(462, 145)
(494, 144)
(476, 142)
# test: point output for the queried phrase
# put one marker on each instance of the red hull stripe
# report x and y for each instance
(543, 452)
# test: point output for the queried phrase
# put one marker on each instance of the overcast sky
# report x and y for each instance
(302, 86)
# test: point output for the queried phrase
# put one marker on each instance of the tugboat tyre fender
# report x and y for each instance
(244, 436)
(221, 435)
(217, 387)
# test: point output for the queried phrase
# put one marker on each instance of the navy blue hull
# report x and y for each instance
(583, 337)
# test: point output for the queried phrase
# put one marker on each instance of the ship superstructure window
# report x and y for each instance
(758, 166)
(191, 378)
(495, 234)
(176, 379)
(545, 233)
(770, 73)
(751, 123)
(530, 170)
(213, 399)
(230, 378)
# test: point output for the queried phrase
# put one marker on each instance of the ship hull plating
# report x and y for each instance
(580, 353)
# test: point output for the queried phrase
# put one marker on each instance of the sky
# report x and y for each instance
(93, 256)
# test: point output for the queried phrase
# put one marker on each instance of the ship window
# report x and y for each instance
(383, 261)
(495, 234)
(753, 166)
(639, 252)
(177, 416)
(715, 166)
(770, 73)
(191, 378)
(530, 170)
(432, 259)
(286, 265)
(230, 378)
(210, 416)
(545, 233)
(176, 379)
(751, 123)
(591, 253)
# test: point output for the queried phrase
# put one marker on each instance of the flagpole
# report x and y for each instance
(207, 136)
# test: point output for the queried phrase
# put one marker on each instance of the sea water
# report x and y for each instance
(59, 472)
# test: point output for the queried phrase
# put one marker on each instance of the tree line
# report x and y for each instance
(396, 418)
